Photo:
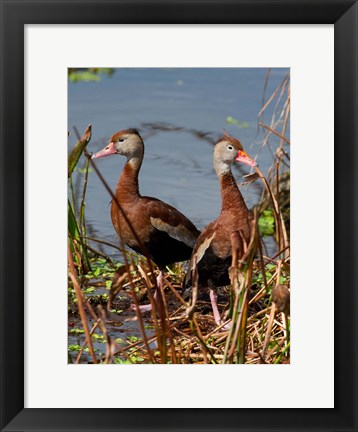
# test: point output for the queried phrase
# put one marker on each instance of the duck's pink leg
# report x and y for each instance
(148, 307)
(214, 305)
(160, 280)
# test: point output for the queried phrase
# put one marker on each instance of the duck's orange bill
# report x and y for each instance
(108, 150)
(245, 158)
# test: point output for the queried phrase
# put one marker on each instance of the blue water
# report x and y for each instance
(178, 165)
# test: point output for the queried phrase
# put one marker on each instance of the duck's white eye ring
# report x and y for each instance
(230, 147)
(121, 140)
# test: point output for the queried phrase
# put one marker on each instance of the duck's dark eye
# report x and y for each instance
(230, 147)
(121, 140)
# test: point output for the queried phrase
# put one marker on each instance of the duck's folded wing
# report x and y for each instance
(203, 243)
(166, 218)
(178, 232)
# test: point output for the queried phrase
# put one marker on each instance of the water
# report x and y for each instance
(178, 165)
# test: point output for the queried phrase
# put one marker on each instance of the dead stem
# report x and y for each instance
(79, 355)
(162, 348)
(274, 132)
(280, 224)
(268, 331)
(195, 278)
(76, 285)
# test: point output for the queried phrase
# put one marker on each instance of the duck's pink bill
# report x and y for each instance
(108, 150)
(245, 158)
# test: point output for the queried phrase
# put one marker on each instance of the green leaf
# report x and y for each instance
(98, 337)
(72, 223)
(77, 330)
(267, 223)
(78, 149)
(133, 339)
(84, 170)
(87, 74)
(74, 347)
(83, 76)
(233, 121)
(89, 290)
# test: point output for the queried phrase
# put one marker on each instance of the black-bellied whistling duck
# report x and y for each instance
(167, 235)
(213, 252)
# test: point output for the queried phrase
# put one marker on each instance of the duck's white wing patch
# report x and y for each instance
(179, 232)
(201, 250)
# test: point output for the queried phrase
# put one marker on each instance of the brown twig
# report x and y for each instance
(274, 132)
(73, 275)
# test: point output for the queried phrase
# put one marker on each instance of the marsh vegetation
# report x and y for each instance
(105, 290)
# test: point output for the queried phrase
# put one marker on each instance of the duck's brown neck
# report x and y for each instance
(230, 194)
(128, 188)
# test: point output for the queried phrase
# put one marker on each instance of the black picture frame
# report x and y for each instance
(14, 15)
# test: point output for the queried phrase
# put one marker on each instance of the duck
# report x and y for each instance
(212, 253)
(167, 235)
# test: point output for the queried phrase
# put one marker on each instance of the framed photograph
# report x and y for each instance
(168, 71)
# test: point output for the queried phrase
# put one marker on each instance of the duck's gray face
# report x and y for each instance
(229, 150)
(127, 143)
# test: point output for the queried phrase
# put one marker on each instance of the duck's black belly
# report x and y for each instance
(165, 250)
(213, 271)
